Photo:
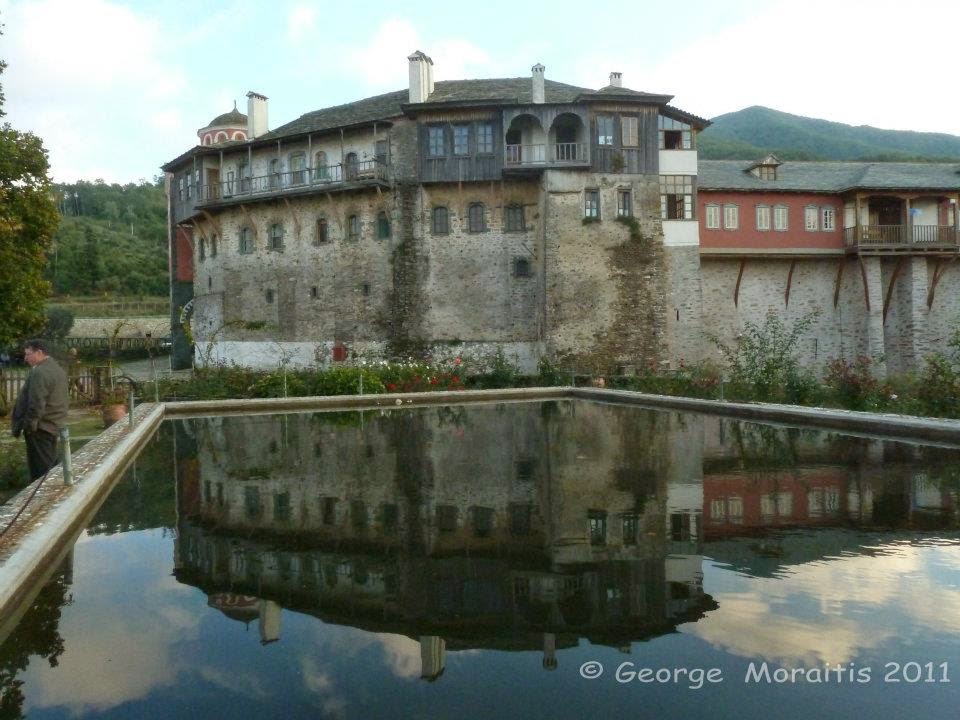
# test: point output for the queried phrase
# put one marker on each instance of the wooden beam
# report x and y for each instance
(786, 294)
(893, 280)
(250, 223)
(293, 216)
(214, 223)
(838, 281)
(736, 288)
(866, 291)
(938, 272)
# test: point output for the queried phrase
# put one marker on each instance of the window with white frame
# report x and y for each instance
(246, 241)
(713, 217)
(461, 139)
(630, 131)
(731, 216)
(435, 141)
(763, 218)
(828, 219)
(298, 163)
(624, 203)
(604, 129)
(276, 237)
(780, 218)
(484, 139)
(676, 197)
(673, 134)
(811, 218)
(591, 204)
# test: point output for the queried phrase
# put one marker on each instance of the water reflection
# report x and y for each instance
(437, 536)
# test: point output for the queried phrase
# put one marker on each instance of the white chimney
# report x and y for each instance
(256, 115)
(616, 79)
(421, 77)
(538, 71)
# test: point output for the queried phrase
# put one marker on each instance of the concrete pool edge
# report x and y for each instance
(102, 462)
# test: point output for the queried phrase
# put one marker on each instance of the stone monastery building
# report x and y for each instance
(540, 219)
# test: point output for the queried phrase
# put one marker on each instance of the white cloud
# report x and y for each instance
(301, 22)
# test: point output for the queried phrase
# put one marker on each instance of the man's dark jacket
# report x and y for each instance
(42, 403)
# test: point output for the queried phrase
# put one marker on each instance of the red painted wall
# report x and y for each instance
(184, 255)
(748, 237)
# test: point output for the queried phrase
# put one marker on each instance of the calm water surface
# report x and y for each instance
(481, 561)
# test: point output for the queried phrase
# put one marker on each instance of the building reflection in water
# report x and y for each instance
(518, 526)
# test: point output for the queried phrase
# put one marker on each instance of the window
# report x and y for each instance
(591, 204)
(624, 204)
(351, 166)
(629, 131)
(829, 219)
(713, 217)
(446, 518)
(521, 267)
(383, 226)
(604, 130)
(440, 221)
(482, 521)
(243, 171)
(180, 188)
(380, 151)
(189, 185)
(514, 221)
(676, 197)
(203, 249)
(213, 246)
(323, 231)
(520, 516)
(314, 292)
(731, 217)
(780, 218)
(631, 525)
(246, 241)
(321, 167)
(435, 141)
(673, 134)
(476, 218)
(763, 217)
(251, 501)
(358, 514)
(281, 507)
(328, 510)
(275, 173)
(365, 291)
(389, 517)
(484, 139)
(811, 219)
(461, 139)
(353, 227)
(276, 237)
(767, 172)
(298, 162)
(597, 520)
(269, 296)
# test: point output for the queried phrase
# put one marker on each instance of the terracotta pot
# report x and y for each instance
(598, 382)
(112, 413)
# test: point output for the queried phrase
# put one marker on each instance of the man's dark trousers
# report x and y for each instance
(41, 452)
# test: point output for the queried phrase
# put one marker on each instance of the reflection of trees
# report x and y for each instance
(144, 497)
(37, 634)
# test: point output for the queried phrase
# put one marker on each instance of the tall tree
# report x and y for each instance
(28, 219)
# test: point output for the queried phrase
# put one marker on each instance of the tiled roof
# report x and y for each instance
(234, 117)
(829, 176)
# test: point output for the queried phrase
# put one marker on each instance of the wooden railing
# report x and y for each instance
(901, 236)
(556, 153)
(83, 388)
(360, 171)
(614, 160)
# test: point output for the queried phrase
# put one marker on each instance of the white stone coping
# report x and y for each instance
(30, 551)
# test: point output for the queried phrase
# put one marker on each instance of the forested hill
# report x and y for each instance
(112, 240)
(750, 133)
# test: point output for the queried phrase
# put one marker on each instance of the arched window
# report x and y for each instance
(275, 173)
(239, 135)
(476, 218)
(321, 169)
(246, 241)
(221, 136)
(203, 249)
(213, 246)
(383, 226)
(440, 221)
(351, 166)
(353, 227)
(207, 140)
(298, 161)
(323, 232)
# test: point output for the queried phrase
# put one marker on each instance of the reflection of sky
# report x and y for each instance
(139, 644)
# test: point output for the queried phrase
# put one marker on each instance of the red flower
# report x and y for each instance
(433, 381)
(455, 379)
(457, 361)
(391, 387)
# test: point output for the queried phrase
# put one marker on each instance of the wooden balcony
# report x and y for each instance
(331, 178)
(891, 239)
(543, 155)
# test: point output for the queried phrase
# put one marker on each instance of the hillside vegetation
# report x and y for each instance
(755, 131)
(112, 240)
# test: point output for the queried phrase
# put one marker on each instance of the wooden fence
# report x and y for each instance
(84, 387)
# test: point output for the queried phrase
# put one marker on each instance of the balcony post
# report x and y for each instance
(908, 225)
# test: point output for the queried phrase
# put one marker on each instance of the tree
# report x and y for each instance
(28, 219)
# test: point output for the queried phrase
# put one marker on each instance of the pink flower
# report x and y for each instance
(457, 361)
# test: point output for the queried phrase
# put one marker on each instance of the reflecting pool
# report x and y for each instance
(562, 559)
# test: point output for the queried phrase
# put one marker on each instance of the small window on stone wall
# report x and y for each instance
(513, 219)
(203, 249)
(383, 226)
(521, 267)
(476, 218)
(441, 221)
(322, 233)
(213, 246)
(269, 296)
(353, 227)
(246, 241)
(276, 237)
(314, 292)
(365, 290)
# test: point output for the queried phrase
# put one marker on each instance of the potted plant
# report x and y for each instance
(113, 403)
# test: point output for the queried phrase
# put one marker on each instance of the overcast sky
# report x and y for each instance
(116, 88)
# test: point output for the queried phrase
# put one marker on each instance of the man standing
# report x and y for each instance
(41, 408)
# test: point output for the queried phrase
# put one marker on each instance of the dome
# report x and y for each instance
(232, 118)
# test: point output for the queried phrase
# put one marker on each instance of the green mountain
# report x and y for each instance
(112, 240)
(755, 131)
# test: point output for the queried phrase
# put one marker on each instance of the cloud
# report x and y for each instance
(301, 22)
(87, 75)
